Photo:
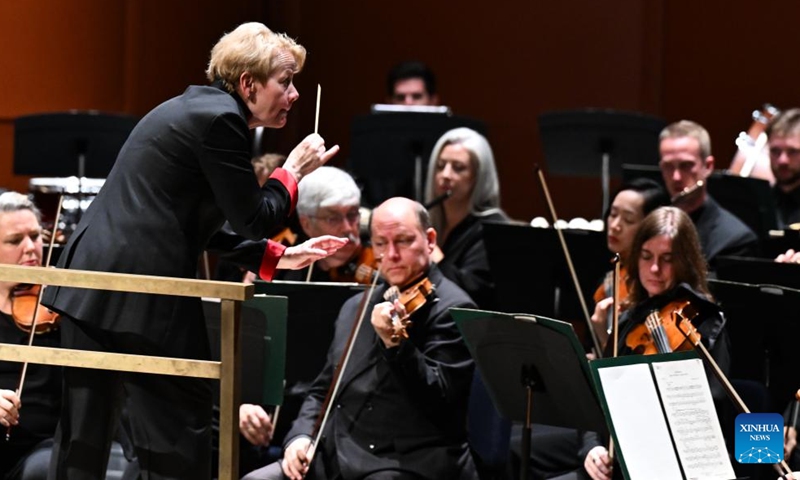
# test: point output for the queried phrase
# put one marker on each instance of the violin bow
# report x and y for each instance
(615, 332)
(338, 373)
(38, 303)
(595, 341)
(694, 338)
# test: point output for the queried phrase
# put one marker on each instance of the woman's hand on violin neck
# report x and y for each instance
(9, 408)
(309, 155)
(313, 249)
(600, 319)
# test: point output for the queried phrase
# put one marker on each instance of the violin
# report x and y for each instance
(361, 270)
(27, 311)
(412, 299)
(663, 330)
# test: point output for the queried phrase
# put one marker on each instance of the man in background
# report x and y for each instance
(686, 163)
(411, 83)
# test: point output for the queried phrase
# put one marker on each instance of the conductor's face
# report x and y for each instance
(400, 241)
(270, 101)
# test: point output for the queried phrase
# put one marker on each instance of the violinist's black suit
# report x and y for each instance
(402, 409)
(183, 171)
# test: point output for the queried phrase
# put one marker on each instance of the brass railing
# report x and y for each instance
(226, 370)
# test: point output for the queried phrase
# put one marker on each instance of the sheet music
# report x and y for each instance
(639, 422)
(693, 420)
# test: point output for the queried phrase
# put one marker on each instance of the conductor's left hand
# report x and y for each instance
(299, 256)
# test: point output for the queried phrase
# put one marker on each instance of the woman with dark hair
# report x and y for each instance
(666, 267)
(632, 202)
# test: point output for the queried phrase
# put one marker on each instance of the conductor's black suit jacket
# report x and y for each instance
(403, 408)
(183, 171)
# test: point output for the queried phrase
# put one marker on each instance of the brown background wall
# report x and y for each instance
(501, 62)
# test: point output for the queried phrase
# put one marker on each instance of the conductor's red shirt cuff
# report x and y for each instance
(287, 179)
(269, 263)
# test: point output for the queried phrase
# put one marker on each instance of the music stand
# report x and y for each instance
(763, 331)
(549, 290)
(750, 199)
(758, 271)
(389, 151)
(596, 142)
(534, 369)
(313, 308)
(631, 171)
(64, 144)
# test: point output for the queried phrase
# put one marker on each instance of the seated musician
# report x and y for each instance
(632, 203)
(666, 267)
(686, 160)
(462, 163)
(26, 454)
(552, 452)
(400, 408)
(328, 203)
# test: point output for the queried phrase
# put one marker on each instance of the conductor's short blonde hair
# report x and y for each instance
(251, 47)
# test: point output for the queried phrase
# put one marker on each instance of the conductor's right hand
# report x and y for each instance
(309, 155)
(296, 458)
(299, 256)
(9, 408)
(597, 464)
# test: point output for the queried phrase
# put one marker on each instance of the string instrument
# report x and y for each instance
(662, 330)
(751, 158)
(362, 269)
(25, 310)
(606, 289)
(693, 336)
(412, 299)
(286, 236)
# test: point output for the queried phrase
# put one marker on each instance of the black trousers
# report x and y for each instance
(168, 417)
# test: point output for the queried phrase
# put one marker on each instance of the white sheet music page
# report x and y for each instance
(693, 419)
(639, 422)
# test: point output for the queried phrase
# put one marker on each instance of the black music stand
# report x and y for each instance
(762, 324)
(389, 152)
(313, 308)
(596, 142)
(534, 369)
(65, 144)
(750, 199)
(515, 250)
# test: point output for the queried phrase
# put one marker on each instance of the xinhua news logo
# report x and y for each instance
(759, 438)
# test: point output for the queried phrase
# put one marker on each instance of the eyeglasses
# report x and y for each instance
(336, 219)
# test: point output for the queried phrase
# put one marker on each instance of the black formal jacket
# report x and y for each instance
(465, 261)
(183, 171)
(400, 408)
(722, 233)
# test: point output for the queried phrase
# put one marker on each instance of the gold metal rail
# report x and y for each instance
(226, 370)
